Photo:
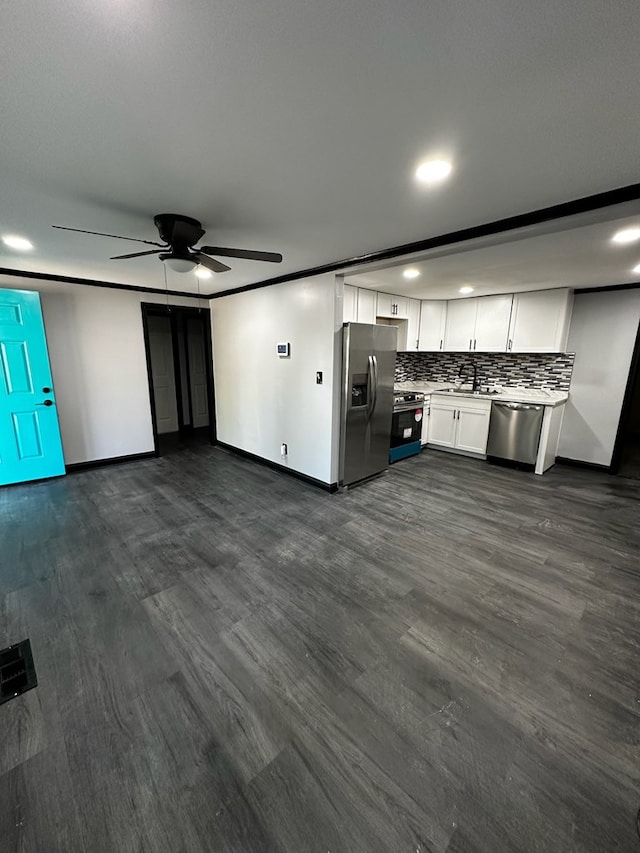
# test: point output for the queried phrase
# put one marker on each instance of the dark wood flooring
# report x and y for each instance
(445, 659)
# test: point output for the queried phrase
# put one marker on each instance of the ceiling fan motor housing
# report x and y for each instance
(180, 232)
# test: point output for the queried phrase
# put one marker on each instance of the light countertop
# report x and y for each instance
(507, 394)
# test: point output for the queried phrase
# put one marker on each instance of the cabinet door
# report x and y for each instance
(539, 321)
(433, 313)
(384, 307)
(492, 323)
(413, 324)
(442, 424)
(400, 306)
(350, 304)
(366, 305)
(461, 325)
(390, 305)
(424, 438)
(472, 429)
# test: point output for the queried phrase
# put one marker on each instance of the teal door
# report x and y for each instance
(30, 444)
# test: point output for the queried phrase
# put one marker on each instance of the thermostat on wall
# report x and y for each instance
(284, 350)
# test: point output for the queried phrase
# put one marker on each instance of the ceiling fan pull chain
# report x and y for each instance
(166, 286)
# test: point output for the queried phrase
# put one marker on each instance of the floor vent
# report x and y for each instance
(17, 672)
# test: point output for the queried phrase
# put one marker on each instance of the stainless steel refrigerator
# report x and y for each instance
(369, 360)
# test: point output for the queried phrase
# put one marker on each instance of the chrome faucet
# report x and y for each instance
(463, 372)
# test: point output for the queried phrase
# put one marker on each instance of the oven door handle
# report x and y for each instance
(372, 378)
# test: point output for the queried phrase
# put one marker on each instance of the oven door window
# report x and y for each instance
(405, 428)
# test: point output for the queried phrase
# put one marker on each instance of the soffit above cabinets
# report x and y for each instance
(576, 253)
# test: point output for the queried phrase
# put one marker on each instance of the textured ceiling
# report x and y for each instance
(296, 127)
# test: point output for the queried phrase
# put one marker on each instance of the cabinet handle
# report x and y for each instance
(417, 343)
(470, 342)
(458, 414)
(440, 343)
(454, 414)
(474, 343)
(510, 344)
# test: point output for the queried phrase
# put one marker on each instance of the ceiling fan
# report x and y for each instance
(180, 235)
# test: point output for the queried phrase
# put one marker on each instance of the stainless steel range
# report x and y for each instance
(406, 424)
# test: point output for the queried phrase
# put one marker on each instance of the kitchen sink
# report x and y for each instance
(475, 393)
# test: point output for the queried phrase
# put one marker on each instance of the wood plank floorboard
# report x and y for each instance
(444, 660)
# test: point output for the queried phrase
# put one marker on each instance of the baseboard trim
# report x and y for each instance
(112, 460)
(328, 487)
(577, 463)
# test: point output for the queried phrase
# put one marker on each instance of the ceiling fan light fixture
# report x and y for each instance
(179, 264)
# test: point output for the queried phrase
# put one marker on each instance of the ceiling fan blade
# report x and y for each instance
(136, 255)
(101, 234)
(210, 263)
(249, 254)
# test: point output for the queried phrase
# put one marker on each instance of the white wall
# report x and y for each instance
(262, 400)
(602, 335)
(96, 349)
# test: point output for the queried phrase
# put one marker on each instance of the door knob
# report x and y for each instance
(46, 403)
(46, 390)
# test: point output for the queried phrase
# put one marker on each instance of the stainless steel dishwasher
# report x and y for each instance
(514, 432)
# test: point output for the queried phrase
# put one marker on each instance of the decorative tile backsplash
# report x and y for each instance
(551, 371)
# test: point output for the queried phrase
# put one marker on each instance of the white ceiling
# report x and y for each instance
(578, 254)
(296, 127)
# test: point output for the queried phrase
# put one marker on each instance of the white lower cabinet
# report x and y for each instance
(473, 429)
(425, 420)
(459, 424)
(442, 422)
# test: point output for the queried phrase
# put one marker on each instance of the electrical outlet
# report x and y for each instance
(283, 450)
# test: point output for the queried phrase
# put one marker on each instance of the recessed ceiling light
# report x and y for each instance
(15, 242)
(203, 272)
(412, 272)
(627, 235)
(466, 289)
(636, 269)
(433, 171)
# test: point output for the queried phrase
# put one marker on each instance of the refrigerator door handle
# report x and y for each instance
(373, 384)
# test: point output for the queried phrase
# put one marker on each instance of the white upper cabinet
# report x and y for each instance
(433, 316)
(492, 323)
(480, 324)
(536, 321)
(350, 304)
(460, 326)
(366, 305)
(540, 321)
(413, 324)
(392, 306)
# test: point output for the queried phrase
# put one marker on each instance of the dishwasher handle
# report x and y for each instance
(518, 407)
